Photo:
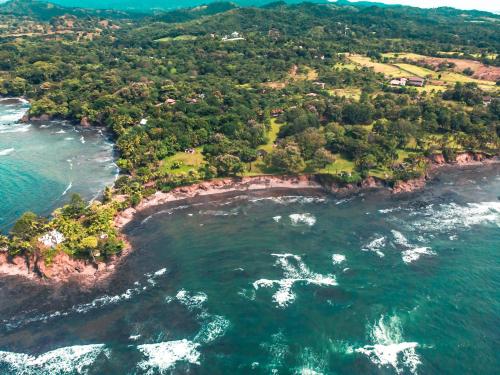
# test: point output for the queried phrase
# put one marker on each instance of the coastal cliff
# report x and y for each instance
(63, 268)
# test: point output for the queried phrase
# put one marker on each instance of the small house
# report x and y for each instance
(190, 151)
(143, 121)
(416, 81)
(398, 82)
(170, 101)
(486, 100)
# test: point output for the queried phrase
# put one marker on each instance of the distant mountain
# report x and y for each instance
(151, 5)
(43, 10)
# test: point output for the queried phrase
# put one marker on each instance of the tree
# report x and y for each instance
(26, 227)
(322, 158)
(287, 159)
(310, 141)
(75, 208)
(357, 113)
(228, 165)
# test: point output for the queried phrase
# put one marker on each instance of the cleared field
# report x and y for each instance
(491, 56)
(386, 69)
(417, 70)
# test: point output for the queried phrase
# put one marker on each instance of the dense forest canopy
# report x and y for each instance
(222, 90)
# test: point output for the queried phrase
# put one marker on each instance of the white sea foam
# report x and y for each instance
(305, 218)
(66, 360)
(99, 302)
(215, 328)
(17, 128)
(232, 212)
(191, 301)
(312, 363)
(70, 185)
(294, 271)
(338, 258)
(414, 254)
(162, 357)
(6, 151)
(388, 347)
(69, 138)
(60, 131)
(82, 139)
(278, 350)
(277, 218)
(344, 200)
(453, 217)
(411, 252)
(290, 199)
(388, 210)
(376, 245)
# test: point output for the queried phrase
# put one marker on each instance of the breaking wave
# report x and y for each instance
(70, 185)
(411, 252)
(294, 271)
(452, 216)
(388, 348)
(6, 151)
(338, 258)
(306, 219)
(17, 128)
(66, 360)
(212, 326)
(290, 199)
(99, 302)
(376, 245)
(161, 357)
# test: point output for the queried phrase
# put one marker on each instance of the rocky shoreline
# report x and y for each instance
(63, 268)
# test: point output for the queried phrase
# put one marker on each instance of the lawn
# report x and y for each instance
(272, 135)
(340, 164)
(187, 162)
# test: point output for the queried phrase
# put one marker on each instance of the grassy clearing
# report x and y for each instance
(430, 88)
(348, 92)
(341, 164)
(417, 70)
(184, 38)
(308, 74)
(386, 69)
(403, 55)
(348, 66)
(452, 78)
(491, 56)
(187, 162)
(272, 135)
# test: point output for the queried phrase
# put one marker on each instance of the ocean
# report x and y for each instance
(42, 164)
(282, 282)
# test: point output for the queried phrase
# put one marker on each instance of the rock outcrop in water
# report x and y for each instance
(62, 268)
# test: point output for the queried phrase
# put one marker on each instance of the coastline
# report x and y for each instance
(64, 269)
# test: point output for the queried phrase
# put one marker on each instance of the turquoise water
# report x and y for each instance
(42, 164)
(288, 283)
